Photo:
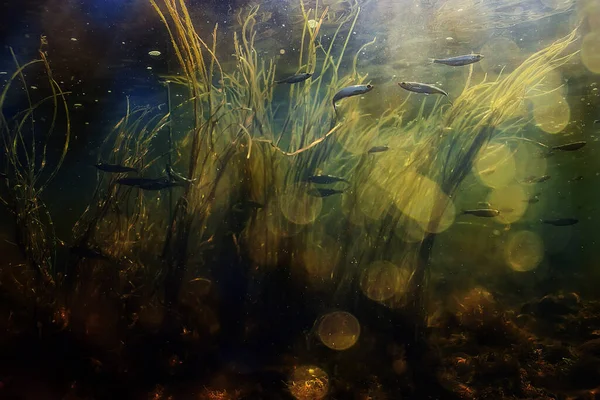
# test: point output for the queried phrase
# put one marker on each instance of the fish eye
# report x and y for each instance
(369, 86)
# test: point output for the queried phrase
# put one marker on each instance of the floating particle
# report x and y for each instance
(148, 67)
(77, 105)
(312, 24)
(339, 330)
(282, 51)
(73, 39)
(34, 87)
(3, 72)
(154, 53)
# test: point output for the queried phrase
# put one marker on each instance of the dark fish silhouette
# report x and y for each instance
(561, 221)
(325, 179)
(295, 78)
(378, 149)
(321, 192)
(570, 146)
(458, 61)
(116, 168)
(577, 178)
(482, 212)
(349, 92)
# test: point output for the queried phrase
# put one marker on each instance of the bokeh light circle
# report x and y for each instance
(590, 52)
(495, 165)
(383, 280)
(524, 251)
(298, 206)
(553, 117)
(511, 201)
(339, 330)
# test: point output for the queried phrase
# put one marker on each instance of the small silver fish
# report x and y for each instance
(422, 88)
(533, 179)
(458, 61)
(378, 149)
(350, 91)
(570, 146)
(295, 78)
(482, 212)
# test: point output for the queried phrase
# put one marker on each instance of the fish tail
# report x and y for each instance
(432, 61)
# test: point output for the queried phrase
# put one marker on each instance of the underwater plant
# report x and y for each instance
(29, 167)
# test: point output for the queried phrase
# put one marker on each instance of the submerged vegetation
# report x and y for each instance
(278, 216)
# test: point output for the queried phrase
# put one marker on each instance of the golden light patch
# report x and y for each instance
(298, 206)
(382, 280)
(501, 55)
(320, 259)
(553, 117)
(421, 199)
(590, 52)
(495, 165)
(511, 201)
(339, 330)
(524, 251)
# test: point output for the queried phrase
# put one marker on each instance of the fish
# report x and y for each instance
(422, 88)
(378, 149)
(325, 179)
(114, 168)
(533, 179)
(482, 212)
(570, 146)
(176, 177)
(597, 121)
(350, 91)
(149, 183)
(322, 192)
(561, 221)
(458, 61)
(532, 200)
(577, 178)
(295, 78)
